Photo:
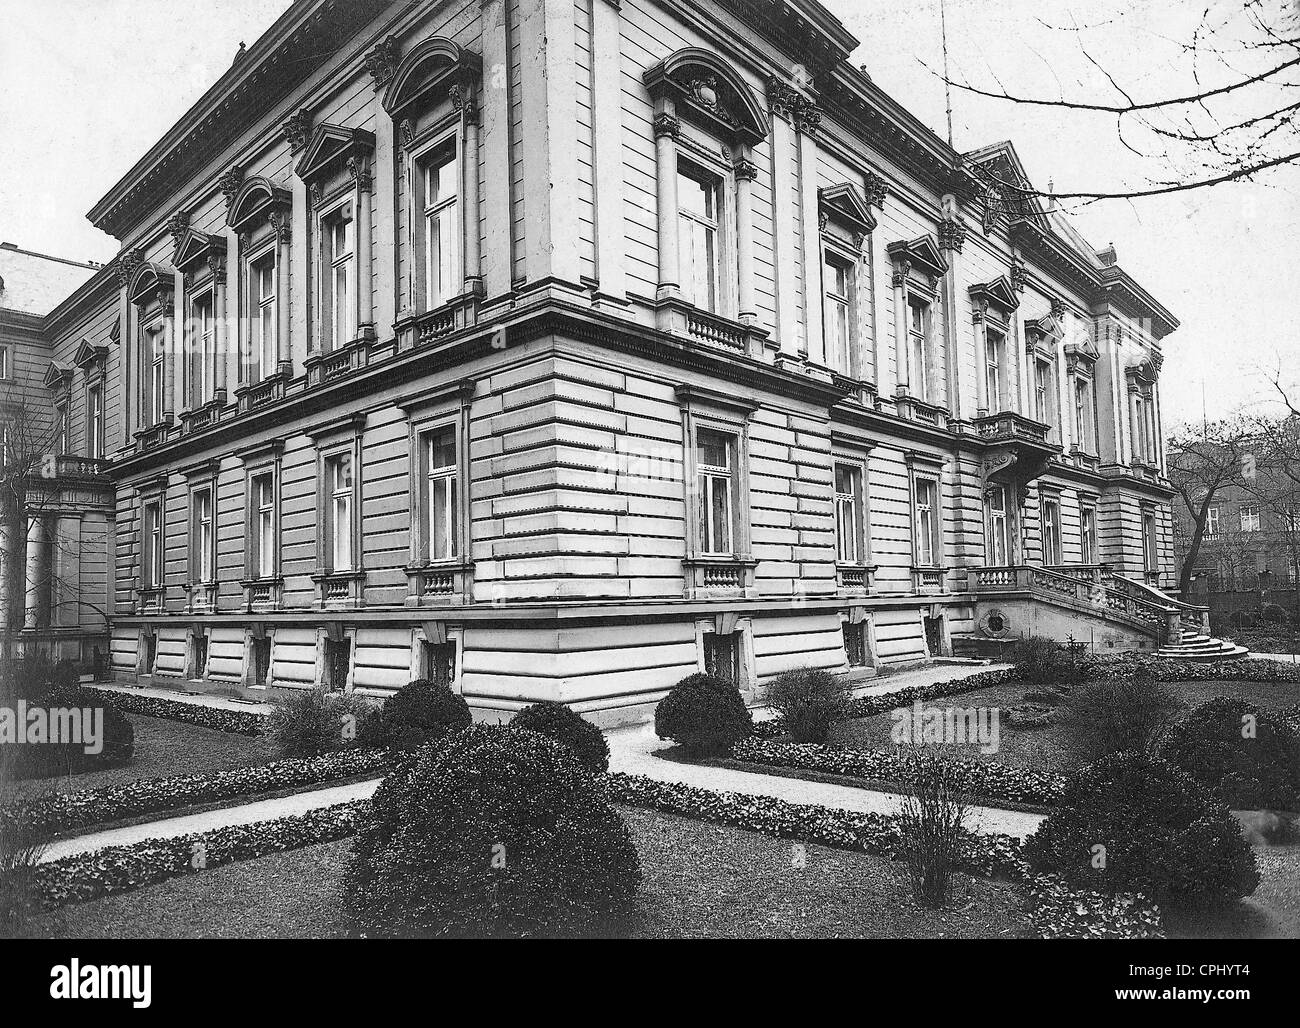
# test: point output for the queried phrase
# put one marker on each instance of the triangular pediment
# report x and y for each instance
(88, 354)
(846, 202)
(1008, 191)
(922, 252)
(57, 375)
(998, 291)
(192, 247)
(329, 146)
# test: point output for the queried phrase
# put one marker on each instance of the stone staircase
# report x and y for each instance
(1194, 646)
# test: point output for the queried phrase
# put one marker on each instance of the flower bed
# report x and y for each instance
(66, 811)
(866, 706)
(88, 876)
(237, 722)
(986, 780)
(1162, 669)
(1059, 912)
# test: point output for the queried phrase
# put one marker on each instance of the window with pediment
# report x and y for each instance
(151, 291)
(992, 306)
(918, 268)
(201, 260)
(846, 222)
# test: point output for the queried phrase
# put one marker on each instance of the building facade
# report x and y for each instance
(559, 350)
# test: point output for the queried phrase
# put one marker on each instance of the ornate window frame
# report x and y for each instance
(151, 291)
(432, 583)
(200, 257)
(924, 467)
(846, 223)
(918, 270)
(856, 577)
(201, 594)
(339, 588)
(151, 595)
(262, 593)
(993, 304)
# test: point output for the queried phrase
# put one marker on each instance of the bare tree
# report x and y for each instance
(1233, 119)
(1204, 461)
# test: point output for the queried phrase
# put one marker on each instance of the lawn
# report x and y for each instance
(701, 881)
(163, 748)
(1045, 748)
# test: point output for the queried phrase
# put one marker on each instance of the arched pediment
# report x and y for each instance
(846, 202)
(922, 252)
(150, 282)
(330, 146)
(997, 292)
(1142, 372)
(256, 199)
(429, 65)
(703, 84)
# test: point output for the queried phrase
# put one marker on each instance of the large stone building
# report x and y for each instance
(561, 349)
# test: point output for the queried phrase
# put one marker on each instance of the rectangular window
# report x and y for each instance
(263, 514)
(199, 656)
(438, 662)
(1043, 392)
(918, 334)
(61, 430)
(201, 524)
(848, 513)
(1150, 545)
(838, 282)
(440, 181)
(993, 349)
(1250, 519)
(4, 362)
(260, 656)
(927, 522)
(715, 470)
(1051, 533)
(95, 422)
(698, 195)
(722, 656)
(202, 350)
(151, 570)
(1083, 434)
(338, 510)
(157, 374)
(439, 516)
(1212, 521)
(262, 315)
(338, 662)
(999, 538)
(1088, 534)
(855, 644)
(338, 305)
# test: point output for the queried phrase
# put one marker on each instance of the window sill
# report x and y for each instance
(261, 594)
(339, 362)
(439, 582)
(151, 599)
(928, 579)
(202, 596)
(203, 416)
(427, 327)
(339, 588)
(852, 577)
(261, 394)
(719, 575)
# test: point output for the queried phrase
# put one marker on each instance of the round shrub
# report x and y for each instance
(1165, 835)
(558, 722)
(808, 700)
(1116, 714)
(1248, 757)
(50, 760)
(495, 830)
(1043, 661)
(422, 711)
(706, 715)
(315, 721)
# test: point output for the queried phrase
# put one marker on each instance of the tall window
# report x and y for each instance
(1083, 433)
(722, 655)
(156, 380)
(263, 489)
(1250, 519)
(1051, 532)
(698, 195)
(999, 538)
(716, 483)
(61, 429)
(927, 522)
(440, 180)
(438, 465)
(201, 522)
(1150, 545)
(151, 571)
(4, 362)
(202, 348)
(848, 513)
(837, 277)
(1043, 392)
(918, 334)
(993, 350)
(95, 421)
(338, 304)
(1212, 521)
(338, 510)
(262, 314)
(1088, 534)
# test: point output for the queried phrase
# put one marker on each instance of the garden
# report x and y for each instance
(1167, 796)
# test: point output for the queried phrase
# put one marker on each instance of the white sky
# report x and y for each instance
(86, 86)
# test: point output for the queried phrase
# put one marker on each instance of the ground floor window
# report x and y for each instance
(934, 635)
(198, 654)
(338, 662)
(438, 662)
(149, 661)
(855, 644)
(260, 657)
(722, 656)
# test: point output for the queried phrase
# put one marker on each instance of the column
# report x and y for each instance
(667, 127)
(1135, 428)
(498, 204)
(902, 358)
(1157, 433)
(283, 255)
(981, 358)
(814, 336)
(607, 144)
(746, 171)
(222, 334)
(950, 241)
(34, 571)
(365, 249)
(169, 357)
(1065, 402)
(473, 243)
(783, 228)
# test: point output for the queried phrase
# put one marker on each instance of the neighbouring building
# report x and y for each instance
(559, 350)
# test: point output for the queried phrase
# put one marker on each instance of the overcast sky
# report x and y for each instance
(86, 86)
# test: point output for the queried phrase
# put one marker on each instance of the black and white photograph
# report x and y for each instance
(650, 471)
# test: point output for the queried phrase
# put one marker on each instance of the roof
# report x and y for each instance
(35, 283)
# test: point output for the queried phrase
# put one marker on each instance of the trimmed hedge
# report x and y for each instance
(88, 876)
(1161, 669)
(63, 812)
(704, 714)
(565, 725)
(978, 779)
(236, 722)
(419, 712)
